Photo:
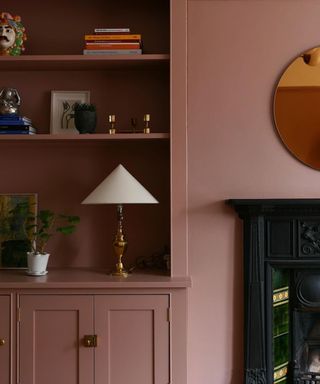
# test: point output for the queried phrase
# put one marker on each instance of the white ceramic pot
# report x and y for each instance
(37, 263)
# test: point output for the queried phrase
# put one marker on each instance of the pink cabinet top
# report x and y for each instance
(88, 278)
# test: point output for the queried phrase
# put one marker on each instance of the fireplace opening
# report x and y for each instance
(306, 346)
(295, 326)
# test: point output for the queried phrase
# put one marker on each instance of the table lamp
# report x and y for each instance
(119, 188)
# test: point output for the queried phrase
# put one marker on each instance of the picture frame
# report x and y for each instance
(15, 239)
(62, 104)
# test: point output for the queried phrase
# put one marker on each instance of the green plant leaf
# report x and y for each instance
(66, 230)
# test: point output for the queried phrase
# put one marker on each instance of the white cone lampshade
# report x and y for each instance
(120, 187)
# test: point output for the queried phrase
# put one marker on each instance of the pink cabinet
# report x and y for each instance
(132, 339)
(51, 329)
(5, 339)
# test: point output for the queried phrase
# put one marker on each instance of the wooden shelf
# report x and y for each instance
(81, 62)
(94, 138)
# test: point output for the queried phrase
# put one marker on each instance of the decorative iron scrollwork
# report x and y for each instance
(256, 376)
(310, 239)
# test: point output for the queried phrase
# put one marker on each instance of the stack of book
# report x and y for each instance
(108, 41)
(16, 125)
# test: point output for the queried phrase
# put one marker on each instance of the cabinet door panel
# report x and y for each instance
(133, 339)
(5, 332)
(51, 333)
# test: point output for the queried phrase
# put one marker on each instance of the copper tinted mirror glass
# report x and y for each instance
(297, 107)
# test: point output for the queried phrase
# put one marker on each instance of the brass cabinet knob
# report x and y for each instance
(90, 341)
(2, 342)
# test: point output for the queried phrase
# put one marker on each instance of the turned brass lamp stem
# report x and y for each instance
(120, 245)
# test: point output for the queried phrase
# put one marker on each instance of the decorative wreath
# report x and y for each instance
(14, 22)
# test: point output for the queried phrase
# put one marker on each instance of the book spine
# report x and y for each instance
(111, 30)
(14, 119)
(14, 123)
(16, 127)
(112, 37)
(100, 41)
(16, 132)
(113, 46)
(112, 51)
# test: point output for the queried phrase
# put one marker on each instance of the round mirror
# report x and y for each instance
(297, 107)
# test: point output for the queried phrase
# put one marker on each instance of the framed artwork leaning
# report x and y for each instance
(62, 110)
(15, 238)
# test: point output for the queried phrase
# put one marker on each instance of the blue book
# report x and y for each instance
(12, 118)
(14, 123)
(12, 127)
(17, 132)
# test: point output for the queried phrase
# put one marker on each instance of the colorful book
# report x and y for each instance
(112, 51)
(112, 37)
(112, 41)
(112, 30)
(112, 46)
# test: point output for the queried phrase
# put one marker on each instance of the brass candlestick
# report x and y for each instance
(120, 245)
(112, 122)
(146, 119)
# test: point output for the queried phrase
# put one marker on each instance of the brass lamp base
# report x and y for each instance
(120, 272)
(120, 246)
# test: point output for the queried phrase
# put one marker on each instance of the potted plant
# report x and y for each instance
(42, 228)
(85, 117)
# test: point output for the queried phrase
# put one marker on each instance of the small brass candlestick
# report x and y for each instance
(112, 122)
(146, 119)
(120, 245)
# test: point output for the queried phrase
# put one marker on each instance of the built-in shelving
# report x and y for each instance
(81, 62)
(63, 169)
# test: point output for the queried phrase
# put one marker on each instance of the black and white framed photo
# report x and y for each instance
(62, 110)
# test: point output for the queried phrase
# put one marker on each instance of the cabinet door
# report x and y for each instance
(5, 339)
(51, 348)
(133, 339)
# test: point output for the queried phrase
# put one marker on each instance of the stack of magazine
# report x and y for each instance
(12, 124)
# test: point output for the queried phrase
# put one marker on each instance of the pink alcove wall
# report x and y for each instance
(237, 51)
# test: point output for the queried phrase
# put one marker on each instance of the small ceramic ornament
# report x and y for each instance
(12, 35)
(9, 101)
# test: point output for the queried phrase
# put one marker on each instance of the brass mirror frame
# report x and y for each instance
(296, 107)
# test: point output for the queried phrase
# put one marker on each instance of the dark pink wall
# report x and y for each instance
(237, 51)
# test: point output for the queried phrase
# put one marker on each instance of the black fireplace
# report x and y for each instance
(282, 290)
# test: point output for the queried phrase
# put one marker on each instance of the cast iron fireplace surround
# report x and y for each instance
(281, 238)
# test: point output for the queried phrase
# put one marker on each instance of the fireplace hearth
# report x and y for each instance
(282, 290)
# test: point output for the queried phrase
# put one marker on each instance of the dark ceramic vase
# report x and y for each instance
(85, 121)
